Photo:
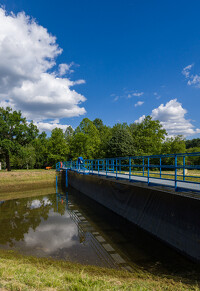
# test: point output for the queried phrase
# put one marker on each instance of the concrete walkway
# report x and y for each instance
(189, 186)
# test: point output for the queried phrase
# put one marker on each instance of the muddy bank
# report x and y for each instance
(25, 186)
(8, 195)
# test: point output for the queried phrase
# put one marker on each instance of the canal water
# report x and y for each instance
(72, 227)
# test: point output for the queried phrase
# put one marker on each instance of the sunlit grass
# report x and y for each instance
(19, 272)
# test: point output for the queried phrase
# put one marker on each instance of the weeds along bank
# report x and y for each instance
(19, 272)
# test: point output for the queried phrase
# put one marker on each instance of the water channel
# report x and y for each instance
(72, 227)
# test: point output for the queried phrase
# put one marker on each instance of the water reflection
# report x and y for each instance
(73, 227)
(52, 226)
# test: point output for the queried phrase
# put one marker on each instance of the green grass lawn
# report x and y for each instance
(19, 272)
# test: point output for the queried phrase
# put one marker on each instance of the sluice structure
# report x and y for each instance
(160, 194)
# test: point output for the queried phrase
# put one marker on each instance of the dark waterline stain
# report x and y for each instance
(73, 227)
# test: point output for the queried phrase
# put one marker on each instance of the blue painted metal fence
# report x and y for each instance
(156, 168)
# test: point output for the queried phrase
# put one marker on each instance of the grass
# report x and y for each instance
(190, 175)
(24, 180)
(18, 272)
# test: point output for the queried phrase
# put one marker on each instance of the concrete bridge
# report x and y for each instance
(160, 194)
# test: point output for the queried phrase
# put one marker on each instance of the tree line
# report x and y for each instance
(22, 146)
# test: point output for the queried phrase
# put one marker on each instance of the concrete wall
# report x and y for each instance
(171, 217)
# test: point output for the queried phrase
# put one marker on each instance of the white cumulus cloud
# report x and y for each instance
(65, 68)
(29, 78)
(137, 94)
(140, 119)
(139, 103)
(49, 126)
(193, 80)
(172, 117)
(127, 94)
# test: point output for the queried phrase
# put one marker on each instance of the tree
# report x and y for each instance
(195, 160)
(148, 136)
(57, 147)
(80, 146)
(86, 140)
(105, 134)
(121, 142)
(69, 133)
(25, 158)
(174, 145)
(98, 123)
(14, 132)
(195, 142)
(41, 151)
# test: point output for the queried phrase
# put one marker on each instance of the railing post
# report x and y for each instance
(116, 168)
(183, 168)
(129, 168)
(120, 168)
(113, 162)
(66, 179)
(175, 172)
(56, 184)
(160, 168)
(148, 171)
(98, 167)
(143, 167)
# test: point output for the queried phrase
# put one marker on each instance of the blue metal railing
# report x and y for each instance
(174, 168)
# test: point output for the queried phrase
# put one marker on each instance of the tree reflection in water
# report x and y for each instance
(17, 217)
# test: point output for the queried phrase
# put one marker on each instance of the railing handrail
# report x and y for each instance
(116, 166)
(149, 156)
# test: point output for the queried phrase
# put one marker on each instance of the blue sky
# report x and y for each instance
(130, 56)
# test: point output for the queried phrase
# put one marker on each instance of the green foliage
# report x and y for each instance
(121, 142)
(86, 140)
(99, 124)
(25, 158)
(41, 150)
(148, 136)
(193, 143)
(57, 147)
(20, 141)
(69, 133)
(14, 133)
(105, 134)
(193, 160)
(174, 145)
